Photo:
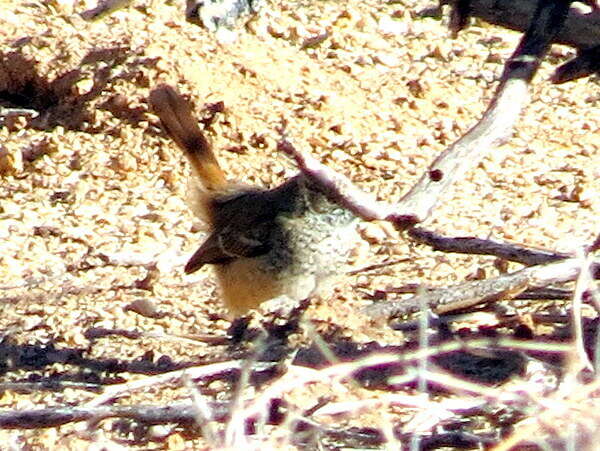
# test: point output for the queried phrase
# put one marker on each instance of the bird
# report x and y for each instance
(287, 242)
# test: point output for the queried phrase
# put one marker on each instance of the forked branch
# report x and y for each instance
(494, 129)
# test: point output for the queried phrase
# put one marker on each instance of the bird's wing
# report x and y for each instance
(226, 245)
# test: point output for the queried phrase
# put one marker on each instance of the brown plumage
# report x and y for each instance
(262, 243)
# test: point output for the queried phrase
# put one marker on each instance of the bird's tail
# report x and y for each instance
(177, 119)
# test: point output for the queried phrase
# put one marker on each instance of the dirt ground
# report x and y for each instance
(94, 228)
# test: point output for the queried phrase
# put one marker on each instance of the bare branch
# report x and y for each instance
(580, 30)
(114, 391)
(494, 129)
(535, 293)
(496, 125)
(185, 413)
(48, 385)
(471, 245)
(477, 292)
(341, 189)
(56, 416)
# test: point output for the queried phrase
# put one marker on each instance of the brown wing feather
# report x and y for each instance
(223, 247)
(211, 252)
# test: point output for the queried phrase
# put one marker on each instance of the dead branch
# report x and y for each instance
(193, 373)
(471, 245)
(268, 407)
(182, 413)
(496, 125)
(494, 129)
(48, 385)
(339, 188)
(185, 414)
(580, 30)
(534, 293)
(459, 14)
(477, 292)
(545, 293)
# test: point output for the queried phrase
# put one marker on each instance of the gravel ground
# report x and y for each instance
(94, 227)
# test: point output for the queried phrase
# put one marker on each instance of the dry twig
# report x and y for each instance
(472, 293)
(471, 245)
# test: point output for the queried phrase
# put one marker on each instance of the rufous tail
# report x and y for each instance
(177, 119)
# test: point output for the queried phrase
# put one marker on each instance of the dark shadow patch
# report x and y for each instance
(46, 104)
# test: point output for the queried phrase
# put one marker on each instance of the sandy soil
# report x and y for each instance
(93, 179)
